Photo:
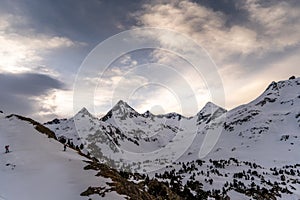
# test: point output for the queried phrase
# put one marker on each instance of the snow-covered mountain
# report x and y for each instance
(253, 152)
(264, 132)
(37, 167)
(129, 130)
(268, 126)
(123, 132)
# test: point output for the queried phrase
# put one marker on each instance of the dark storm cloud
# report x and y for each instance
(28, 84)
(87, 21)
(19, 91)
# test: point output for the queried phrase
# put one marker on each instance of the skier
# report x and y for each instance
(7, 149)
(65, 146)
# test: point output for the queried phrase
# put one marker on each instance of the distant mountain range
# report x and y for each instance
(251, 151)
(244, 130)
(264, 131)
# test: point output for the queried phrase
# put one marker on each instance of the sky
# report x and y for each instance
(46, 46)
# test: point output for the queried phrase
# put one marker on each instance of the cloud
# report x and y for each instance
(277, 23)
(29, 84)
(251, 51)
(22, 48)
(26, 93)
(115, 86)
(272, 28)
(244, 50)
(127, 60)
(206, 26)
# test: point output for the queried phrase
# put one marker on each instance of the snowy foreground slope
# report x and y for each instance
(256, 154)
(38, 168)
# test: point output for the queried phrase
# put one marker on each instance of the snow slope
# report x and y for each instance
(38, 168)
(264, 131)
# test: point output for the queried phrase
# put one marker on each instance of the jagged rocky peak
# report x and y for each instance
(147, 114)
(210, 111)
(121, 110)
(173, 115)
(282, 90)
(210, 108)
(122, 107)
(274, 87)
(83, 112)
(293, 82)
(270, 95)
(122, 103)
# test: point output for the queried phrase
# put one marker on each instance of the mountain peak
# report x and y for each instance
(172, 115)
(276, 86)
(123, 106)
(83, 112)
(210, 107)
(210, 111)
(120, 110)
(272, 87)
(121, 102)
(286, 89)
(147, 114)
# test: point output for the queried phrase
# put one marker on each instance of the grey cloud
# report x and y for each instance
(20, 92)
(91, 20)
(11, 103)
(29, 84)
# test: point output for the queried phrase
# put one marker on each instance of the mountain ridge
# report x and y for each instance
(243, 148)
(139, 129)
(254, 148)
(124, 106)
